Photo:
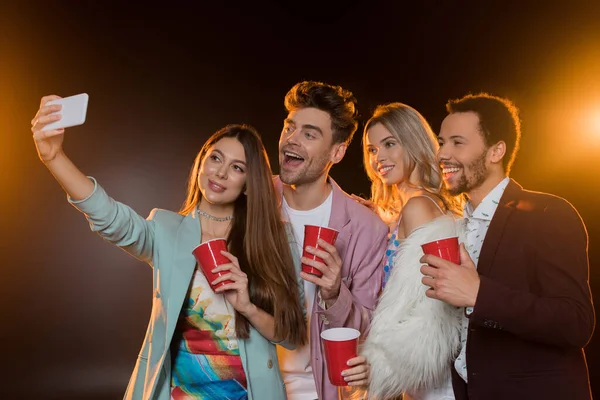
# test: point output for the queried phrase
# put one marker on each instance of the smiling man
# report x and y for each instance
(523, 278)
(319, 126)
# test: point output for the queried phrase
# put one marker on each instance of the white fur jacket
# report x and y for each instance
(413, 338)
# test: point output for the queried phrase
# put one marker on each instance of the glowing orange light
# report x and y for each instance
(595, 121)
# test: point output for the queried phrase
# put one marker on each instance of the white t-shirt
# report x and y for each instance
(295, 364)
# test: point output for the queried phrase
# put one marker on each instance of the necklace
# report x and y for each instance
(218, 219)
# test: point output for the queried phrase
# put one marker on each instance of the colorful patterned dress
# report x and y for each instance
(206, 361)
(390, 254)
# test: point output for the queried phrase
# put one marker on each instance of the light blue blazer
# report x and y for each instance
(165, 241)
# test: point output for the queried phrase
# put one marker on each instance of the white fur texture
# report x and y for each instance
(413, 338)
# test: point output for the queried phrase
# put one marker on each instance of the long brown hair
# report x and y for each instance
(258, 238)
(414, 134)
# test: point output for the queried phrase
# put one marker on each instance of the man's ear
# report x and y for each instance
(338, 152)
(497, 152)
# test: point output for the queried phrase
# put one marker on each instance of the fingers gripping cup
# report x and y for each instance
(447, 249)
(208, 255)
(312, 233)
(340, 345)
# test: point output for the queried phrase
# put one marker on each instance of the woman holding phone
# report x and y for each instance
(202, 344)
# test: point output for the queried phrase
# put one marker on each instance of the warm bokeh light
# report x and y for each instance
(586, 121)
(568, 110)
(594, 121)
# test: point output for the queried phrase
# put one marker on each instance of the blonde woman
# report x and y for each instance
(412, 338)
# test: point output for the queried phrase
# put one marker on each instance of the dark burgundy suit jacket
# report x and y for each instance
(534, 312)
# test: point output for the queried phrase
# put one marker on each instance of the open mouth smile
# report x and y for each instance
(291, 159)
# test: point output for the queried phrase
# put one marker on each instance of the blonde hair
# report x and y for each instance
(414, 134)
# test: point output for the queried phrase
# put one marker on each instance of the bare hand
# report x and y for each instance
(367, 203)
(329, 283)
(236, 293)
(359, 375)
(48, 143)
(457, 285)
(390, 218)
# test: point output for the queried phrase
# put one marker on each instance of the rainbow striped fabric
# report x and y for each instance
(206, 363)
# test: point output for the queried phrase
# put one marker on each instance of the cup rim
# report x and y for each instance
(349, 330)
(321, 226)
(441, 239)
(208, 241)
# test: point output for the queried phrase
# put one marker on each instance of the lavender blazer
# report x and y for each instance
(361, 244)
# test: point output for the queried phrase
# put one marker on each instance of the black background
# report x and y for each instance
(163, 77)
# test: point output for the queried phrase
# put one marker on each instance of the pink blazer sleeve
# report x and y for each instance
(362, 277)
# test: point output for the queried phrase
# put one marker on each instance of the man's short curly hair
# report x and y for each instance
(498, 121)
(338, 102)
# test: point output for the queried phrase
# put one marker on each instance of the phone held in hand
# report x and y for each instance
(74, 110)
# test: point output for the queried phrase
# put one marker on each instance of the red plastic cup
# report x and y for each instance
(312, 233)
(340, 345)
(447, 249)
(208, 255)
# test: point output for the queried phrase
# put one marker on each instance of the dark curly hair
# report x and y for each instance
(498, 121)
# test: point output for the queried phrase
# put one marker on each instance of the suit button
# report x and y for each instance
(270, 364)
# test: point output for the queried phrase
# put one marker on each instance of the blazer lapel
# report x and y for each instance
(184, 264)
(338, 220)
(339, 217)
(507, 205)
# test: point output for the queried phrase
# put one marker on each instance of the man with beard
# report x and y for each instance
(523, 278)
(319, 126)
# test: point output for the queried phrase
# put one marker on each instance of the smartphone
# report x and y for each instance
(74, 110)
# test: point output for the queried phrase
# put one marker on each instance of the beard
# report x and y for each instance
(309, 173)
(479, 173)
